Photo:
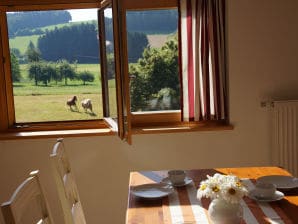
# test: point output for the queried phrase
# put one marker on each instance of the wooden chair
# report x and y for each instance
(27, 204)
(66, 185)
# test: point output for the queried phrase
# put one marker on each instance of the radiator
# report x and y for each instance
(285, 137)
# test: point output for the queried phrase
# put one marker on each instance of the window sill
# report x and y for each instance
(55, 134)
(182, 127)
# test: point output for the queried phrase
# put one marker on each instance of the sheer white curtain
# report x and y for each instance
(203, 69)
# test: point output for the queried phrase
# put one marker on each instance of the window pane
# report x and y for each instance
(108, 23)
(55, 65)
(152, 40)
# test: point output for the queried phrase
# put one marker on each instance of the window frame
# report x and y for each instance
(7, 112)
(128, 123)
(157, 121)
(139, 120)
(118, 125)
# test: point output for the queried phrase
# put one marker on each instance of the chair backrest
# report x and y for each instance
(27, 204)
(66, 185)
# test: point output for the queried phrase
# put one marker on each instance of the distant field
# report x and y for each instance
(21, 43)
(52, 27)
(157, 40)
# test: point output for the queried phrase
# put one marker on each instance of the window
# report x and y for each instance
(51, 67)
(153, 72)
(125, 59)
(54, 66)
(152, 41)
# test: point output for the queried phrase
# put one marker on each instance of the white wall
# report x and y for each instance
(263, 64)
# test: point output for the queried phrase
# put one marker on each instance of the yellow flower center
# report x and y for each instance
(232, 191)
(203, 187)
(239, 184)
(215, 189)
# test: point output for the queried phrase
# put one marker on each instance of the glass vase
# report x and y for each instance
(222, 212)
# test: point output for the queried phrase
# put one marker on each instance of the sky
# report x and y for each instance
(83, 14)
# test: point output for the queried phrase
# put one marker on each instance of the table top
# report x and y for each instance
(148, 211)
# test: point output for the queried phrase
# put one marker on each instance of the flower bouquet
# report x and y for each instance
(226, 192)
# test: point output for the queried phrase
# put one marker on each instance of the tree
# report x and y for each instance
(32, 53)
(66, 70)
(72, 43)
(35, 67)
(20, 57)
(42, 72)
(35, 71)
(136, 42)
(156, 78)
(48, 72)
(86, 76)
(110, 66)
(15, 68)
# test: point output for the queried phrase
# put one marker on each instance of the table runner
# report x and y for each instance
(182, 207)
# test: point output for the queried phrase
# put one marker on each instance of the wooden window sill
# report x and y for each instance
(55, 134)
(182, 127)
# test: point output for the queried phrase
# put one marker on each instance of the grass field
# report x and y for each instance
(54, 108)
(48, 103)
(157, 40)
(22, 43)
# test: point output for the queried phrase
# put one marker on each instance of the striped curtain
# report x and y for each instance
(203, 62)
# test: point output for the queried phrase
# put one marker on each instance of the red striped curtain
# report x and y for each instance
(203, 60)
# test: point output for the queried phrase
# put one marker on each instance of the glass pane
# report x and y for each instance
(152, 40)
(55, 65)
(108, 23)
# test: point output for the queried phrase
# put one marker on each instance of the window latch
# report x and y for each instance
(22, 126)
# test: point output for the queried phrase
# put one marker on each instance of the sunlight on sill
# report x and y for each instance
(178, 128)
(166, 128)
(55, 134)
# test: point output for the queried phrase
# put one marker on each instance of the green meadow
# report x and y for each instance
(48, 103)
(22, 42)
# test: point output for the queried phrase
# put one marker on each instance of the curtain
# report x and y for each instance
(202, 55)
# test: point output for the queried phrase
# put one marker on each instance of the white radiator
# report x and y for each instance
(286, 135)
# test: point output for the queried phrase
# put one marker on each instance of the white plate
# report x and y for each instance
(281, 182)
(277, 196)
(152, 190)
(187, 181)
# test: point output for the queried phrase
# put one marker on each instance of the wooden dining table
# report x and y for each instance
(182, 206)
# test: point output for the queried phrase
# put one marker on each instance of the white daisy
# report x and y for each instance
(227, 187)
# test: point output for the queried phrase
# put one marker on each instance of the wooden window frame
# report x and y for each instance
(156, 121)
(8, 126)
(129, 123)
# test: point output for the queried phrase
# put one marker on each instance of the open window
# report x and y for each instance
(128, 66)
(49, 69)
(152, 93)
(111, 62)
(152, 71)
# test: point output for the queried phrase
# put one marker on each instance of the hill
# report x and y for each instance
(24, 23)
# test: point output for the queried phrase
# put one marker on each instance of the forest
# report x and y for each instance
(80, 43)
(27, 23)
